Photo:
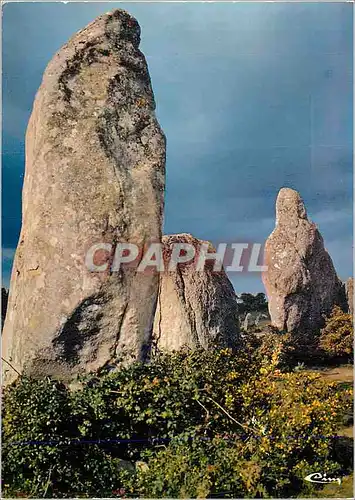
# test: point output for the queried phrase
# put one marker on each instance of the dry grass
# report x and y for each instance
(334, 490)
(344, 375)
(347, 431)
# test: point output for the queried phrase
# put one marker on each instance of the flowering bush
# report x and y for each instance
(283, 428)
(187, 424)
(337, 337)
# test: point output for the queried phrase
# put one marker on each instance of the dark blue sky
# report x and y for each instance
(252, 97)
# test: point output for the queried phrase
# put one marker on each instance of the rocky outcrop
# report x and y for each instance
(349, 286)
(95, 170)
(195, 308)
(301, 282)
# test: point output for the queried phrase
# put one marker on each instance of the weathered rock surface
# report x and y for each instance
(247, 322)
(95, 170)
(349, 286)
(4, 300)
(301, 282)
(195, 308)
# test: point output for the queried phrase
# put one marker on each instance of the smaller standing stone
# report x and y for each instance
(195, 308)
(350, 295)
(301, 283)
(247, 322)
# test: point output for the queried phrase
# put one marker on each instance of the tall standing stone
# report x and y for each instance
(95, 172)
(301, 282)
(195, 308)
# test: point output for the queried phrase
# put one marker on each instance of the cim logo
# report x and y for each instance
(322, 478)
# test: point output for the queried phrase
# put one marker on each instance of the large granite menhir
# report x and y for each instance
(301, 282)
(195, 308)
(95, 171)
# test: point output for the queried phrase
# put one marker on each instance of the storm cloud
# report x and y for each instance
(251, 97)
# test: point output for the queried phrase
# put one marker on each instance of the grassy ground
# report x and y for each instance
(334, 490)
(344, 376)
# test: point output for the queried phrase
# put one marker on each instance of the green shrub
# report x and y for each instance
(40, 457)
(201, 423)
(200, 469)
(285, 430)
(291, 350)
(337, 337)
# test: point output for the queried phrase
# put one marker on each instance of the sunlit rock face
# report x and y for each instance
(350, 295)
(300, 281)
(95, 171)
(194, 308)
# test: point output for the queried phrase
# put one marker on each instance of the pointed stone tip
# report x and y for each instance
(117, 25)
(289, 204)
(178, 236)
(286, 192)
(170, 239)
(124, 26)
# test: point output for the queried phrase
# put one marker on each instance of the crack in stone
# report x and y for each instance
(189, 312)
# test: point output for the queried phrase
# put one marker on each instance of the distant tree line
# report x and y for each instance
(247, 302)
